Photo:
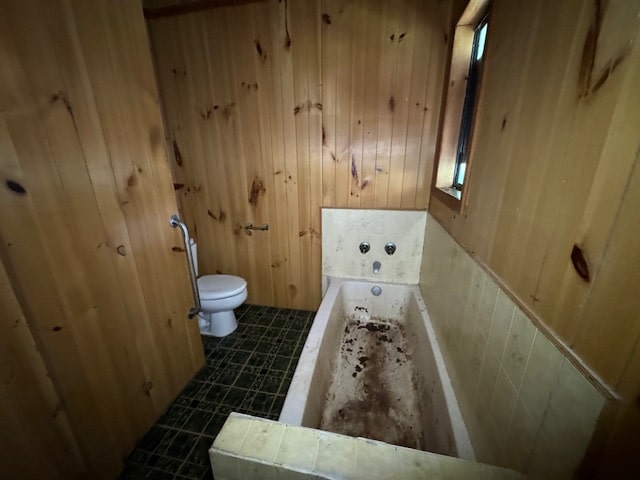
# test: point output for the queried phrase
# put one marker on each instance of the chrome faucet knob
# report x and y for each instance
(390, 248)
(364, 247)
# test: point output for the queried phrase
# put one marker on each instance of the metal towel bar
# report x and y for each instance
(251, 226)
(175, 221)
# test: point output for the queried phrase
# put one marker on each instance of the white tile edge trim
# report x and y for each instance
(433, 457)
(459, 428)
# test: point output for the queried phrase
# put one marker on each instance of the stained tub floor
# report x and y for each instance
(248, 371)
(372, 393)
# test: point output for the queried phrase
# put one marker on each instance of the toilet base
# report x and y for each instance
(219, 324)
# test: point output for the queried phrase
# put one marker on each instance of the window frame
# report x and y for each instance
(469, 107)
(455, 101)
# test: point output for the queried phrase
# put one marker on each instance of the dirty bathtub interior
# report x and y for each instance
(372, 368)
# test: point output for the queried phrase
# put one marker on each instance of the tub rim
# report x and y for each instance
(295, 401)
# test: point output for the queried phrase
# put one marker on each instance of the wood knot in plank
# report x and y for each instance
(121, 250)
(220, 218)
(62, 97)
(261, 53)
(257, 188)
(176, 153)
(354, 169)
(146, 388)
(287, 37)
(580, 263)
(15, 187)
(278, 263)
(590, 81)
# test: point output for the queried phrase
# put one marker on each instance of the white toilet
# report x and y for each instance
(219, 295)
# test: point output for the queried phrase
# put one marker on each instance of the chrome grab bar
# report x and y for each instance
(175, 221)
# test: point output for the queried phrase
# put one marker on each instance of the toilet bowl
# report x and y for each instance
(219, 295)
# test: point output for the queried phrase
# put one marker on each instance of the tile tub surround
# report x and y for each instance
(248, 371)
(344, 229)
(526, 406)
(251, 448)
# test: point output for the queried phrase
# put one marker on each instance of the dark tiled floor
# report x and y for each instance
(248, 371)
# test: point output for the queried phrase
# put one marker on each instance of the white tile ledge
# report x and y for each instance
(373, 459)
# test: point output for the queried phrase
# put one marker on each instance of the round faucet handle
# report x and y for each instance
(364, 247)
(390, 248)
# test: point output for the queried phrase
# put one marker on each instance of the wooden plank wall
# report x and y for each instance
(95, 340)
(30, 418)
(555, 165)
(277, 108)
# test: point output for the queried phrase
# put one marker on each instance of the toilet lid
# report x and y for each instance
(214, 287)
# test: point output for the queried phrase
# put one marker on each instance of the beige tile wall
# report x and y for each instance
(251, 448)
(525, 405)
(344, 229)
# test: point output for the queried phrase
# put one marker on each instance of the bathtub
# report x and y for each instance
(371, 367)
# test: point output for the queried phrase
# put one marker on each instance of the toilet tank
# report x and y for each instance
(194, 254)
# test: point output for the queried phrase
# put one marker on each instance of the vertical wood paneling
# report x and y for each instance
(86, 246)
(356, 26)
(405, 37)
(375, 37)
(29, 405)
(329, 39)
(314, 73)
(301, 20)
(417, 109)
(435, 89)
(345, 114)
(555, 167)
(342, 23)
(550, 154)
(385, 104)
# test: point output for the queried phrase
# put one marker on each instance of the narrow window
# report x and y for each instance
(460, 105)
(468, 109)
